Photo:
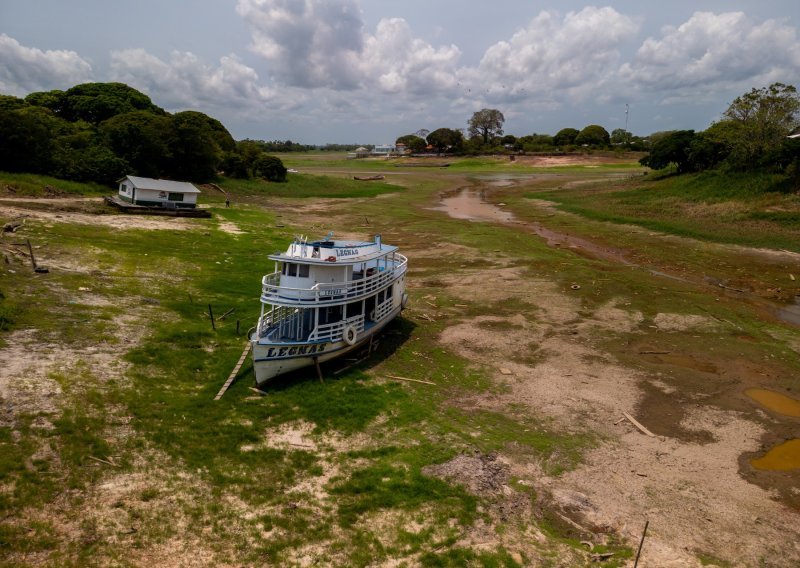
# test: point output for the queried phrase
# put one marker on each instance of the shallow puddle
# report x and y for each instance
(775, 401)
(780, 458)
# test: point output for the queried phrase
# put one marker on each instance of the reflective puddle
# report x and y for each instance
(780, 458)
(775, 401)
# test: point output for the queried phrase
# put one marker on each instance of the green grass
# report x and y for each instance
(744, 209)
(306, 186)
(35, 185)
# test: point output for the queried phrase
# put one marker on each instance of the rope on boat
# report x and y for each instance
(234, 372)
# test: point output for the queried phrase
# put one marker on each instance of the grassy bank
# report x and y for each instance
(746, 209)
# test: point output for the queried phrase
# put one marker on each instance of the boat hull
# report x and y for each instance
(271, 359)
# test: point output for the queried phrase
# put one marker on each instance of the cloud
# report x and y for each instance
(711, 52)
(554, 57)
(310, 43)
(25, 69)
(324, 44)
(186, 81)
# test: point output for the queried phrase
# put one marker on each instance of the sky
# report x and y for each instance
(369, 71)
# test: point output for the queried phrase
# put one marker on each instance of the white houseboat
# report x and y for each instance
(324, 299)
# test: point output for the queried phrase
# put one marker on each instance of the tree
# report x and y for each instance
(671, 149)
(270, 168)
(565, 136)
(96, 102)
(760, 121)
(486, 123)
(444, 139)
(621, 137)
(412, 142)
(26, 144)
(195, 150)
(141, 139)
(593, 135)
(7, 102)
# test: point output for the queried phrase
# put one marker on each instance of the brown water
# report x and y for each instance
(782, 457)
(775, 401)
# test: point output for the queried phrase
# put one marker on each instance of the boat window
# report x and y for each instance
(380, 297)
(354, 309)
(291, 269)
(389, 291)
(303, 272)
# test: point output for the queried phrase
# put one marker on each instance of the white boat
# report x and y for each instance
(324, 299)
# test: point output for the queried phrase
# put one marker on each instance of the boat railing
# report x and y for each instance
(331, 292)
(334, 331)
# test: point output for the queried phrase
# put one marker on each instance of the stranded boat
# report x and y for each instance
(324, 299)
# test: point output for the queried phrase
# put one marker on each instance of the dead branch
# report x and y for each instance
(636, 423)
(411, 380)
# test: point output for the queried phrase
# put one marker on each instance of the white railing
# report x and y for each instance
(333, 331)
(331, 292)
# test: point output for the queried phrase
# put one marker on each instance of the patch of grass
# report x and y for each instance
(722, 207)
(455, 557)
(305, 186)
(35, 185)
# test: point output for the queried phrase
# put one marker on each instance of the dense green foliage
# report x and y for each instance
(446, 140)
(102, 131)
(751, 136)
(593, 135)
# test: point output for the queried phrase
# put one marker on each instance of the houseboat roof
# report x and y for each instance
(161, 184)
(329, 252)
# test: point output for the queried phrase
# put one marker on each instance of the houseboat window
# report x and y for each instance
(303, 272)
(355, 309)
(389, 291)
(380, 297)
(175, 197)
(291, 269)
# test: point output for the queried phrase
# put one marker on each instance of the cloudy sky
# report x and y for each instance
(368, 71)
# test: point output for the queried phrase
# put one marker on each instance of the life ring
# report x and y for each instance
(331, 259)
(349, 335)
(404, 301)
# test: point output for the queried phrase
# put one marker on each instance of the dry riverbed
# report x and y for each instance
(581, 366)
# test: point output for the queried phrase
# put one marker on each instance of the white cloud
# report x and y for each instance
(554, 56)
(712, 52)
(26, 69)
(308, 43)
(324, 44)
(186, 81)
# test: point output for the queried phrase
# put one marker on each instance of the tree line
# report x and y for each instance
(102, 131)
(484, 133)
(754, 134)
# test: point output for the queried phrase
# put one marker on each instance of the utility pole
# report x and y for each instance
(626, 117)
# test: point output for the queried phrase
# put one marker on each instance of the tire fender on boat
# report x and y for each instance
(349, 335)
(404, 301)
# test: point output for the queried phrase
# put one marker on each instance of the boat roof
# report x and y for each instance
(344, 252)
(161, 184)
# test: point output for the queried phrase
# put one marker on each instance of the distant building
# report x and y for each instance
(384, 150)
(359, 152)
(158, 192)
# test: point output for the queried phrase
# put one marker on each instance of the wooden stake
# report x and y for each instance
(641, 542)
(319, 370)
(211, 313)
(226, 314)
(237, 327)
(30, 250)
